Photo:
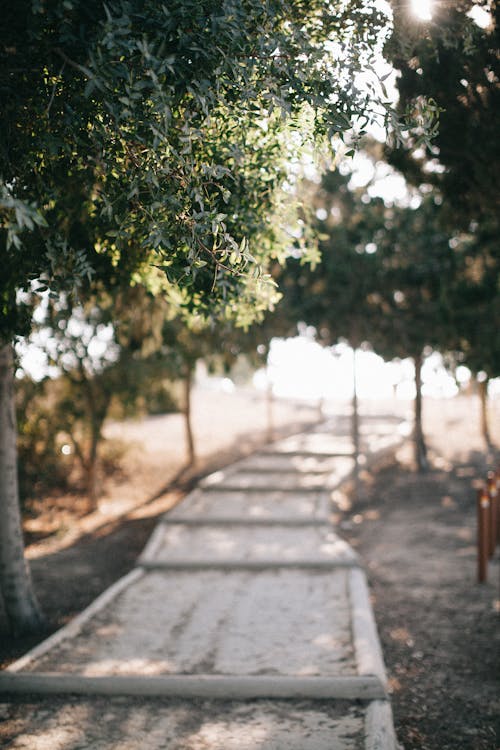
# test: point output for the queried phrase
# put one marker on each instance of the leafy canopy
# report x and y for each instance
(147, 142)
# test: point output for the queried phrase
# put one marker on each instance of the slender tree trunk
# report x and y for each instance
(19, 602)
(188, 383)
(418, 433)
(97, 410)
(355, 420)
(321, 411)
(482, 386)
(270, 411)
(91, 481)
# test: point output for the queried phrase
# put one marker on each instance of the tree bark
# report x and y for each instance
(420, 447)
(482, 386)
(91, 484)
(188, 383)
(19, 602)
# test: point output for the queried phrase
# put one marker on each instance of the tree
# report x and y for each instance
(104, 349)
(334, 296)
(456, 62)
(415, 298)
(386, 277)
(476, 311)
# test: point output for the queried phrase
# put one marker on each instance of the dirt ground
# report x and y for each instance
(439, 628)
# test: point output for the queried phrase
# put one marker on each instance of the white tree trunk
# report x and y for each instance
(19, 602)
(482, 386)
(270, 412)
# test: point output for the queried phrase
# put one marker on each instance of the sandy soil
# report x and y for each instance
(439, 628)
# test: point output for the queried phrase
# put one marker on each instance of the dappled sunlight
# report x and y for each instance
(123, 666)
(191, 543)
(341, 500)
(215, 623)
(134, 724)
(465, 533)
(267, 726)
(448, 502)
(56, 738)
(216, 733)
(402, 635)
(265, 505)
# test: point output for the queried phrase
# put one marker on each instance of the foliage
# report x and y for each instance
(476, 301)
(146, 141)
(456, 62)
(334, 296)
(386, 278)
(104, 352)
(42, 466)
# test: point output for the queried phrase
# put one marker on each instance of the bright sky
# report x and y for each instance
(301, 368)
(422, 9)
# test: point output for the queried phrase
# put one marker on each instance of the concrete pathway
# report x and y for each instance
(246, 624)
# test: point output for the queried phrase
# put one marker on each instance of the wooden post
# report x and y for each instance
(493, 521)
(483, 540)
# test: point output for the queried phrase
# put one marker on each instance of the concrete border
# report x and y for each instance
(222, 687)
(73, 628)
(154, 543)
(293, 470)
(237, 565)
(379, 727)
(304, 454)
(246, 521)
(272, 488)
(367, 648)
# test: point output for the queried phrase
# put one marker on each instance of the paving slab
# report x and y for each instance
(231, 544)
(316, 444)
(291, 463)
(279, 480)
(278, 622)
(159, 724)
(272, 506)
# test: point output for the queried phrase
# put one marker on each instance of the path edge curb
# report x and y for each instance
(379, 727)
(367, 648)
(216, 687)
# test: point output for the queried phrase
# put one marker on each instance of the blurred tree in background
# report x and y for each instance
(456, 61)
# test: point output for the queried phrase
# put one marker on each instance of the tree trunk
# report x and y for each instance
(91, 483)
(19, 602)
(355, 421)
(321, 410)
(270, 411)
(418, 433)
(97, 406)
(188, 383)
(482, 386)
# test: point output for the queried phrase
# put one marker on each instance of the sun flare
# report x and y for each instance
(422, 9)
